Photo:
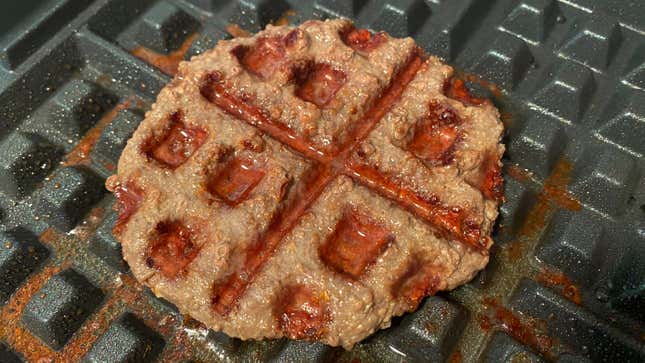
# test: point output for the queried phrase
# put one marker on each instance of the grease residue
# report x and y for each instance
(518, 173)
(126, 292)
(561, 283)
(554, 195)
(88, 226)
(507, 119)
(524, 330)
(167, 63)
(492, 87)
(236, 31)
(48, 236)
(15, 334)
(181, 339)
(284, 18)
(80, 154)
(455, 357)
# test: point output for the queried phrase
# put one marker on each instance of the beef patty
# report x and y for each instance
(309, 182)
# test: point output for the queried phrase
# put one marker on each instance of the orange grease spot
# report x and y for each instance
(523, 330)
(455, 357)
(554, 195)
(560, 282)
(87, 227)
(11, 331)
(48, 236)
(126, 292)
(284, 18)
(519, 174)
(236, 31)
(80, 154)
(492, 87)
(167, 63)
(455, 88)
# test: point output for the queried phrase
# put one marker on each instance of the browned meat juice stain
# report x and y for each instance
(167, 63)
(525, 331)
(519, 174)
(11, 331)
(492, 87)
(455, 357)
(80, 154)
(48, 236)
(455, 88)
(90, 331)
(554, 195)
(507, 119)
(88, 226)
(21, 339)
(561, 283)
(236, 31)
(284, 18)
(127, 292)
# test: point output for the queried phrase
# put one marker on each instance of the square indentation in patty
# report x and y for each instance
(355, 244)
(235, 181)
(178, 143)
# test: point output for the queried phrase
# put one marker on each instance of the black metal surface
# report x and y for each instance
(572, 79)
(57, 310)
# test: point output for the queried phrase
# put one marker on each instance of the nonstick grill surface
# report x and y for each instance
(566, 281)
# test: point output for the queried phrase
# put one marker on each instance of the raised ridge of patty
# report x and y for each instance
(309, 182)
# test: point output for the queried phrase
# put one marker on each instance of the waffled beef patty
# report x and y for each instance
(309, 182)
